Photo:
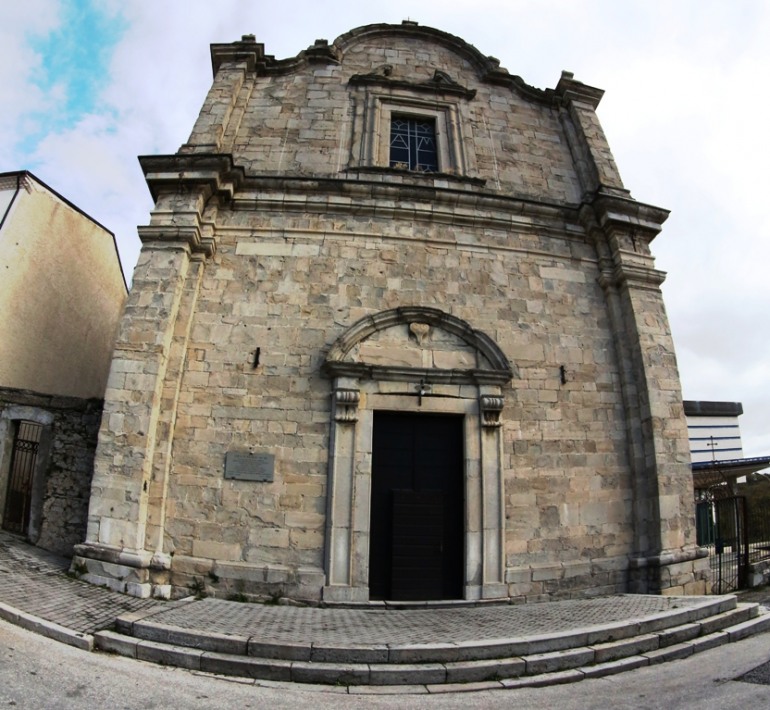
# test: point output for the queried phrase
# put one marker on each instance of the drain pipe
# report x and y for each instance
(19, 176)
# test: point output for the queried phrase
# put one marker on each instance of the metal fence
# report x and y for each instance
(758, 529)
(736, 531)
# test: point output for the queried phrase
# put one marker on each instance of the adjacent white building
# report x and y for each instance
(715, 444)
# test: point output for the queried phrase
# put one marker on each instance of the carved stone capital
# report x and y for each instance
(491, 406)
(346, 405)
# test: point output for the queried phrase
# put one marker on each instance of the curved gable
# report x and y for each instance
(412, 30)
(487, 68)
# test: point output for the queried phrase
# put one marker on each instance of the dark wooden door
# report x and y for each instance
(416, 531)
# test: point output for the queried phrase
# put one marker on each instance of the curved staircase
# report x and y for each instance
(423, 648)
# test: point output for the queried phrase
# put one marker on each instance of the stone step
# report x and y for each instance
(368, 665)
(717, 611)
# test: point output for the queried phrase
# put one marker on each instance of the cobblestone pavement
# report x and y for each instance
(280, 624)
(756, 595)
(35, 581)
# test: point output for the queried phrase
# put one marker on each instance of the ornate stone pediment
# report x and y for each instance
(414, 342)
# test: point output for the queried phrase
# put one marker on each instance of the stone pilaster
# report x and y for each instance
(223, 107)
(127, 440)
(341, 513)
(591, 154)
(491, 404)
(156, 513)
(656, 429)
(124, 543)
(658, 453)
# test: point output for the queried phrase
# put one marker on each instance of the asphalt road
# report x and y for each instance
(36, 673)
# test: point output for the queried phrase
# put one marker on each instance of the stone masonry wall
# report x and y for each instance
(291, 289)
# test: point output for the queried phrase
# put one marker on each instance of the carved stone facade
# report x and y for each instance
(296, 281)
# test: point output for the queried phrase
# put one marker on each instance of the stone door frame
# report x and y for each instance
(358, 390)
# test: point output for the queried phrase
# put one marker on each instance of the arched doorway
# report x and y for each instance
(407, 381)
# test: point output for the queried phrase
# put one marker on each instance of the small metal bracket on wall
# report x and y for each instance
(422, 389)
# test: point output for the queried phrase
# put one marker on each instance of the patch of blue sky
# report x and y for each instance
(75, 59)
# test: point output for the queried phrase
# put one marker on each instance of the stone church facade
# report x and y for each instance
(395, 333)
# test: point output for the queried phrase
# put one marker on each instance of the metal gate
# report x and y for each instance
(18, 498)
(729, 546)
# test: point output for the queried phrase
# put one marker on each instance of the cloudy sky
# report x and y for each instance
(88, 85)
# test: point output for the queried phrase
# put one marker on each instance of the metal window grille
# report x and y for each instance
(413, 144)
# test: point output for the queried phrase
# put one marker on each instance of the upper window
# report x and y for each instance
(404, 133)
(413, 143)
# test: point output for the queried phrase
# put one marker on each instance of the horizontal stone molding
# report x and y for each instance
(620, 213)
(636, 276)
(441, 83)
(407, 195)
(362, 371)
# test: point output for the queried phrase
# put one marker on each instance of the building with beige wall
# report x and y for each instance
(62, 292)
(395, 332)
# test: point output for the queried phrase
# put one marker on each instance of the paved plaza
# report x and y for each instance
(310, 625)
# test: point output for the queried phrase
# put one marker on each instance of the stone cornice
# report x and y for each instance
(568, 89)
(247, 51)
(189, 235)
(464, 205)
(633, 275)
(613, 212)
(459, 203)
(430, 198)
(208, 173)
(363, 371)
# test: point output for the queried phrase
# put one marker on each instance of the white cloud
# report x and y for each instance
(19, 97)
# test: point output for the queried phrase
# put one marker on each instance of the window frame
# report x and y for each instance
(412, 136)
(374, 122)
